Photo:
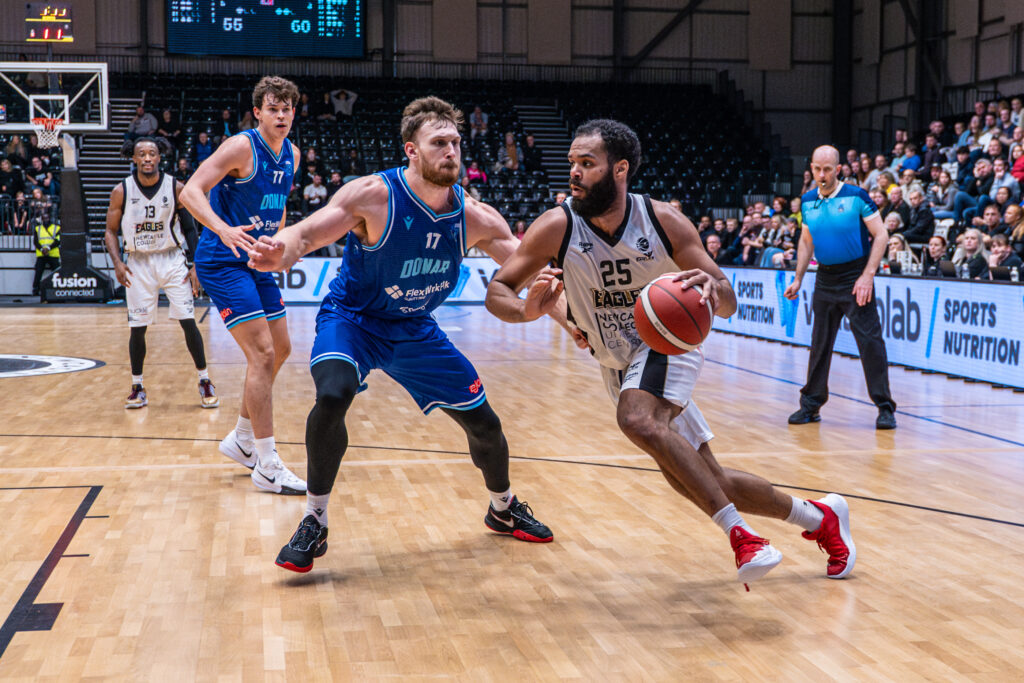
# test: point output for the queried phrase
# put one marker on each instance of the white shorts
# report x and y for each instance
(152, 272)
(669, 377)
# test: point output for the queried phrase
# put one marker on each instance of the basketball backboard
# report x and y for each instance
(75, 92)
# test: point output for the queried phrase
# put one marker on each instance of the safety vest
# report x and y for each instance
(47, 236)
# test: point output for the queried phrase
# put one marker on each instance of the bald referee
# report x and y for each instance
(843, 229)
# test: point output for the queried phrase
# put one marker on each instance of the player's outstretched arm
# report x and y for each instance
(233, 156)
(114, 213)
(349, 209)
(696, 267)
(539, 248)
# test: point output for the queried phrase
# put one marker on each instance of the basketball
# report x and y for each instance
(670, 319)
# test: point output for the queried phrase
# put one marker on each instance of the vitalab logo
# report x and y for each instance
(74, 281)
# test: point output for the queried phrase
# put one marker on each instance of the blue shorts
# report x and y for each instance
(241, 293)
(414, 352)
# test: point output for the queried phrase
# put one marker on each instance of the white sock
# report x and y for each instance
(204, 373)
(500, 501)
(137, 379)
(317, 506)
(805, 515)
(728, 517)
(266, 450)
(243, 430)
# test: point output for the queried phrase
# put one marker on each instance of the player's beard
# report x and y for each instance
(598, 198)
(442, 176)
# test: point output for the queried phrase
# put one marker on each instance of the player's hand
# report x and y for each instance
(237, 237)
(793, 290)
(193, 279)
(864, 288)
(121, 272)
(267, 255)
(543, 293)
(578, 338)
(708, 285)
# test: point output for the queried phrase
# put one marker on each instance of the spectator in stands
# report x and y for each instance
(312, 165)
(183, 171)
(476, 175)
(909, 181)
(1002, 254)
(532, 158)
(11, 179)
(897, 204)
(19, 215)
(893, 223)
(40, 176)
(1001, 177)
(225, 128)
(47, 245)
(1001, 200)
(960, 134)
(39, 205)
(353, 167)
(169, 128)
(974, 194)
(964, 165)
(1017, 159)
(862, 171)
(314, 195)
(334, 184)
(932, 156)
(912, 160)
(899, 155)
(520, 229)
(808, 183)
(144, 124)
(718, 254)
(247, 122)
(972, 134)
(921, 225)
(941, 133)
(941, 196)
(933, 253)
(989, 221)
(469, 189)
(204, 148)
(852, 157)
(993, 151)
(34, 150)
(676, 204)
(972, 252)
(477, 123)
(560, 198)
(880, 199)
(323, 110)
(1014, 220)
(1015, 142)
(979, 108)
(1006, 126)
(881, 164)
(344, 102)
(304, 112)
(510, 153)
(750, 241)
(897, 245)
(886, 181)
(17, 151)
(989, 132)
(796, 210)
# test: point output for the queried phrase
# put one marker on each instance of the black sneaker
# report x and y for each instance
(309, 541)
(803, 416)
(518, 521)
(886, 420)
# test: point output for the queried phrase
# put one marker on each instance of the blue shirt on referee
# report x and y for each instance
(836, 223)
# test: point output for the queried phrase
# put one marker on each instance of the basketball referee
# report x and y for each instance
(843, 229)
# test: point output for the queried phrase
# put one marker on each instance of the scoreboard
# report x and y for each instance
(267, 28)
(48, 22)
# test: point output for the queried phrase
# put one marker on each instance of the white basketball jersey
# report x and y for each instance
(603, 276)
(150, 225)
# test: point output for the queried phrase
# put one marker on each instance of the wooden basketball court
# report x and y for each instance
(135, 551)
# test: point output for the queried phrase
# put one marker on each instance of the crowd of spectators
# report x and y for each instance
(29, 186)
(954, 196)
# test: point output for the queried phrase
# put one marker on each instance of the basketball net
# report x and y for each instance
(47, 131)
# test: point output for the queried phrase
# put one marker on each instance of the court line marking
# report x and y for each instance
(869, 403)
(28, 615)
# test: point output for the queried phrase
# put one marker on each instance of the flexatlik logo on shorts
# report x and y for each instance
(787, 309)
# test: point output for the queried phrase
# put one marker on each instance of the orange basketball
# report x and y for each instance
(670, 319)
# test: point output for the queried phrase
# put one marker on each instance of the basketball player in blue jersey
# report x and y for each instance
(603, 224)
(248, 180)
(407, 230)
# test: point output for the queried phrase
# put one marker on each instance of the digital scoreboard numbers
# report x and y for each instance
(266, 28)
(48, 22)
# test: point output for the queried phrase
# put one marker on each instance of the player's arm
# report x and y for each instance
(114, 213)
(234, 155)
(864, 287)
(804, 251)
(696, 267)
(346, 211)
(539, 247)
(188, 225)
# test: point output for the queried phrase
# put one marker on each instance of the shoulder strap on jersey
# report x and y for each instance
(657, 224)
(565, 237)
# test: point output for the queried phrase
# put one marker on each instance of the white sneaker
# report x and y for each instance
(273, 476)
(243, 454)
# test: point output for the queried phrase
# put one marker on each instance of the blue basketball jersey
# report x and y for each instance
(258, 199)
(413, 267)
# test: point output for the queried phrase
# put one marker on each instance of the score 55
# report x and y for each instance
(232, 23)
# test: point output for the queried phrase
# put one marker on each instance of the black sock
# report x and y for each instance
(137, 348)
(194, 342)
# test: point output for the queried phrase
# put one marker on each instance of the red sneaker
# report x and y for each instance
(833, 536)
(755, 557)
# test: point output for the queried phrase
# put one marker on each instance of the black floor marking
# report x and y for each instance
(205, 313)
(28, 615)
(78, 555)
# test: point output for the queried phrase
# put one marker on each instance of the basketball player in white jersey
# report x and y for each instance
(157, 231)
(607, 245)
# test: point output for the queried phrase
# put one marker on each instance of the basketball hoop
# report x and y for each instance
(47, 130)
